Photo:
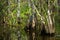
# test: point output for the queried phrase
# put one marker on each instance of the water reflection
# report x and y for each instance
(47, 38)
(44, 38)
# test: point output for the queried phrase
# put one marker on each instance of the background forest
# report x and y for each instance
(16, 15)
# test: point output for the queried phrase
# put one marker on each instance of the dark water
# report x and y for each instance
(49, 38)
(44, 37)
(56, 37)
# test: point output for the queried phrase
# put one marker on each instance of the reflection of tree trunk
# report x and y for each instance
(32, 30)
(32, 21)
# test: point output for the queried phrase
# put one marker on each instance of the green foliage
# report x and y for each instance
(25, 11)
